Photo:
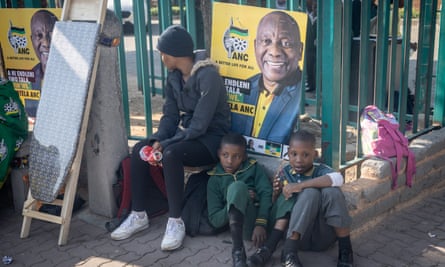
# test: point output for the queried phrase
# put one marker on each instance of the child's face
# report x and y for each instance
(231, 157)
(301, 156)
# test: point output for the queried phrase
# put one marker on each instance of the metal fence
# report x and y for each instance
(371, 68)
(378, 66)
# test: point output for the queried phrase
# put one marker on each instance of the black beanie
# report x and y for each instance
(175, 41)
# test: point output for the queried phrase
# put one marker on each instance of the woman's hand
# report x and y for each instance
(157, 146)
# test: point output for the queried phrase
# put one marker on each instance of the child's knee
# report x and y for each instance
(332, 193)
(238, 194)
(309, 194)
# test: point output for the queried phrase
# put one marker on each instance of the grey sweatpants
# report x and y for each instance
(315, 214)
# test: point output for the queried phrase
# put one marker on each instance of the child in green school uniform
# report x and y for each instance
(239, 194)
(310, 205)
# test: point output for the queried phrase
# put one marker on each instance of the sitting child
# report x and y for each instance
(239, 194)
(311, 197)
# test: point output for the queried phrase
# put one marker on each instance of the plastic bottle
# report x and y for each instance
(147, 154)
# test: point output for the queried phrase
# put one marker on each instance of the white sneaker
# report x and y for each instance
(174, 234)
(130, 226)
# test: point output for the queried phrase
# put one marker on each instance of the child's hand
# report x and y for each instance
(259, 236)
(277, 185)
(291, 188)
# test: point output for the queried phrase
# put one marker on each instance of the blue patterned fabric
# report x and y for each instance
(61, 108)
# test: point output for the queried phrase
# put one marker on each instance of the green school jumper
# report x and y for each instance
(225, 189)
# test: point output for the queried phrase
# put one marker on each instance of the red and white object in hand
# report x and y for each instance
(147, 154)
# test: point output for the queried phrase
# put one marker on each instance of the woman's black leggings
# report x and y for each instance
(175, 157)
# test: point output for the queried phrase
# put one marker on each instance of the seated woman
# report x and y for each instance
(195, 117)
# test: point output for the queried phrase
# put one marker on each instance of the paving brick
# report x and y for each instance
(127, 258)
(409, 218)
(423, 261)
(365, 262)
(21, 246)
(115, 263)
(419, 247)
(376, 236)
(60, 258)
(94, 261)
(80, 252)
(27, 259)
(138, 248)
(155, 258)
(43, 264)
(401, 237)
(420, 234)
(110, 252)
(386, 260)
(44, 247)
(150, 237)
(393, 248)
(368, 248)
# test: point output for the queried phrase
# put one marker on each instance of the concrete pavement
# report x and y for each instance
(412, 236)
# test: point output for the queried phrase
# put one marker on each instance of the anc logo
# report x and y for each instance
(235, 40)
(18, 144)
(11, 108)
(17, 39)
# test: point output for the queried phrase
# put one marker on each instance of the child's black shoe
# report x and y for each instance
(260, 257)
(239, 257)
(345, 258)
(290, 259)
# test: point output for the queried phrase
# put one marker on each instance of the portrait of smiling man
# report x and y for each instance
(42, 25)
(276, 90)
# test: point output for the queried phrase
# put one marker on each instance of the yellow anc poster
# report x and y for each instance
(25, 39)
(260, 52)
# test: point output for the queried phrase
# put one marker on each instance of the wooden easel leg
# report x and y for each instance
(67, 208)
(30, 204)
(68, 202)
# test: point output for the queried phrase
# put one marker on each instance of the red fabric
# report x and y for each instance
(126, 188)
(158, 177)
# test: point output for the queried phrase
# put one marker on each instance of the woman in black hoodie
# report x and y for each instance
(195, 117)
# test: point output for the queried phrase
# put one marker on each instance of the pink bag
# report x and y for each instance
(381, 138)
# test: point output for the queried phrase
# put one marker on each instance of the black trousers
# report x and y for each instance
(145, 195)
